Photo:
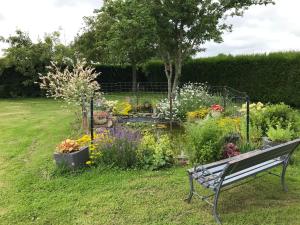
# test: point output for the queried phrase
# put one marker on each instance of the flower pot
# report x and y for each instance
(73, 160)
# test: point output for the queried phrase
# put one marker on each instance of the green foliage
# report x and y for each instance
(259, 75)
(25, 60)
(155, 152)
(279, 115)
(123, 31)
(279, 134)
(246, 147)
(188, 98)
(182, 27)
(205, 141)
(255, 133)
(121, 153)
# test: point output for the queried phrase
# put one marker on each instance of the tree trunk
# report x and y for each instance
(169, 75)
(84, 119)
(134, 77)
(178, 71)
(84, 115)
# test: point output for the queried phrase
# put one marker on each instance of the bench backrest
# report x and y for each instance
(248, 160)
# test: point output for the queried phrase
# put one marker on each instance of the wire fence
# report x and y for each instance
(150, 93)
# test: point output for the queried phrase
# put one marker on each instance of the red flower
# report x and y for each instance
(217, 108)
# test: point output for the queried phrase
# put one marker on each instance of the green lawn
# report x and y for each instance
(32, 191)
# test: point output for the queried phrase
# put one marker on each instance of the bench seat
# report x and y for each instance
(217, 175)
(210, 180)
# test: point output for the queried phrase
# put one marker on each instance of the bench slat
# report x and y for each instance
(214, 170)
(250, 173)
(245, 174)
(253, 168)
(245, 161)
(208, 181)
(222, 162)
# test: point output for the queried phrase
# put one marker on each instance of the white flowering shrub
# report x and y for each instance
(71, 85)
(190, 97)
(77, 85)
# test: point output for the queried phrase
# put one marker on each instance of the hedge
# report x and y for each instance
(266, 77)
(113, 74)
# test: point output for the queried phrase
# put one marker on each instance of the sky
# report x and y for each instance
(262, 29)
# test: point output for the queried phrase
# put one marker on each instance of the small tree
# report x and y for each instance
(75, 86)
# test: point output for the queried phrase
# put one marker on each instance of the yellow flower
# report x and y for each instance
(89, 163)
(92, 147)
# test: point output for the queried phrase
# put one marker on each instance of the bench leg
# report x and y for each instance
(189, 199)
(285, 164)
(215, 207)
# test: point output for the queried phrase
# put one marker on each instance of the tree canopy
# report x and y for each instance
(123, 31)
(183, 26)
(31, 58)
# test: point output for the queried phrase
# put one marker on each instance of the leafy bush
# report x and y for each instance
(276, 115)
(121, 153)
(155, 152)
(205, 141)
(280, 134)
(122, 108)
(126, 148)
(117, 147)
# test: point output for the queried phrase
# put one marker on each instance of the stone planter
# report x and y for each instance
(73, 160)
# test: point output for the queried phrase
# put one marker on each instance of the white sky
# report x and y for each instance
(262, 29)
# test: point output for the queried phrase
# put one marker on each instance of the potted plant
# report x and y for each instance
(70, 154)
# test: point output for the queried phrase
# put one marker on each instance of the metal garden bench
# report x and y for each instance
(215, 176)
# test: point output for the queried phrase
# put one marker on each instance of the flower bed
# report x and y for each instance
(210, 132)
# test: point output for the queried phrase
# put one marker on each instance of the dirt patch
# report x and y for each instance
(3, 211)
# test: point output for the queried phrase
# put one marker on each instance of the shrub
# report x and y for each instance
(205, 141)
(155, 152)
(126, 148)
(118, 147)
(280, 134)
(190, 97)
(276, 115)
(255, 135)
(122, 108)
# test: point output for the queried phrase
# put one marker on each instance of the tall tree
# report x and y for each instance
(124, 31)
(31, 58)
(183, 26)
